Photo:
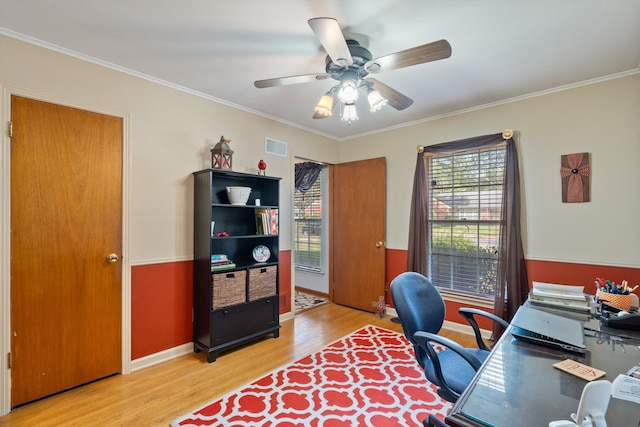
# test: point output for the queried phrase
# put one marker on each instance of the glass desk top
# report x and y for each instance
(518, 384)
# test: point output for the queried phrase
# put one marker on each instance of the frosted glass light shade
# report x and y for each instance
(349, 114)
(348, 92)
(376, 101)
(325, 105)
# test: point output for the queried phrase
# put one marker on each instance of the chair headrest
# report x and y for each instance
(418, 303)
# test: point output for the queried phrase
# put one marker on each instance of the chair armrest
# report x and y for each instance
(468, 313)
(424, 339)
(433, 421)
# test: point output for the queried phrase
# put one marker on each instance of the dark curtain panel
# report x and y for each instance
(513, 287)
(418, 254)
(512, 283)
(305, 175)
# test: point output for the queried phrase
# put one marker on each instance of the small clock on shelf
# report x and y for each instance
(261, 253)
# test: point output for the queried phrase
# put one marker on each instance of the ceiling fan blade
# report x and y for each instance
(290, 80)
(440, 49)
(394, 98)
(330, 35)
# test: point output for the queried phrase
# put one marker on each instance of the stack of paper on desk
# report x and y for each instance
(560, 296)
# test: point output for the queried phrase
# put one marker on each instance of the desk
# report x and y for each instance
(518, 386)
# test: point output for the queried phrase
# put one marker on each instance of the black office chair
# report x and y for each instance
(421, 310)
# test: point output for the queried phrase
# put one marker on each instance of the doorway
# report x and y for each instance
(310, 227)
(358, 233)
(66, 213)
(353, 234)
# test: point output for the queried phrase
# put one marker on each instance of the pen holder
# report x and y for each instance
(623, 302)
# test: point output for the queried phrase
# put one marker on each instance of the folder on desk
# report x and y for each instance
(565, 292)
(544, 328)
(562, 297)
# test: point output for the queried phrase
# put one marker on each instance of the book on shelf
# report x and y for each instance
(263, 221)
(259, 223)
(221, 262)
(267, 221)
(219, 257)
(273, 221)
(223, 266)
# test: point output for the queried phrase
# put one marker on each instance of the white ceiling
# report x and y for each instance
(501, 49)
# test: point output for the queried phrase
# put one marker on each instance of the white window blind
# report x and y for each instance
(308, 227)
(465, 207)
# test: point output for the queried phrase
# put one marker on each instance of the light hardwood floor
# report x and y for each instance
(156, 395)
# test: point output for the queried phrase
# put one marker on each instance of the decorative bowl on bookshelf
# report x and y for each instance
(238, 195)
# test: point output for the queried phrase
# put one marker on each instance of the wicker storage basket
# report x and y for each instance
(623, 302)
(229, 288)
(262, 282)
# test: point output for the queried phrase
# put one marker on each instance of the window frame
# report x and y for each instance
(318, 188)
(487, 257)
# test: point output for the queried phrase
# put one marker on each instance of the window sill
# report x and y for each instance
(308, 270)
(485, 303)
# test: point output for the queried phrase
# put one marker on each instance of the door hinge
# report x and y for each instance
(9, 360)
(386, 288)
(10, 129)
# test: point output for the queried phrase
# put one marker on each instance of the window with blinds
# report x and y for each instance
(465, 207)
(308, 227)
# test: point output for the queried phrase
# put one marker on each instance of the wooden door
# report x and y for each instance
(358, 222)
(66, 217)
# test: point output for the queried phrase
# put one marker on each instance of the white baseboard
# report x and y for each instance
(162, 356)
(172, 353)
(452, 326)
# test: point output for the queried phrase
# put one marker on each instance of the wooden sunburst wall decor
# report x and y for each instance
(575, 171)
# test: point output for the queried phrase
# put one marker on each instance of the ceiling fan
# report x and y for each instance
(350, 63)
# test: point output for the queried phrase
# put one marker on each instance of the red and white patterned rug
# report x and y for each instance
(367, 378)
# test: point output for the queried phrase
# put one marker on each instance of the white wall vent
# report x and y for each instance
(276, 147)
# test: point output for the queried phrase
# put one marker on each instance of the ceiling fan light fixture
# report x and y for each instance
(350, 63)
(376, 101)
(348, 92)
(325, 105)
(349, 114)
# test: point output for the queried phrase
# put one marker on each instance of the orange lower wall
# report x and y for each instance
(538, 271)
(285, 281)
(161, 295)
(579, 274)
(161, 302)
(396, 264)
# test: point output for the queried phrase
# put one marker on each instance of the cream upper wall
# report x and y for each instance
(168, 133)
(602, 119)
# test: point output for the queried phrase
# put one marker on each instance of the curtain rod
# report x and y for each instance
(506, 134)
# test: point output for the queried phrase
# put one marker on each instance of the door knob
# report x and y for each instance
(379, 244)
(112, 258)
